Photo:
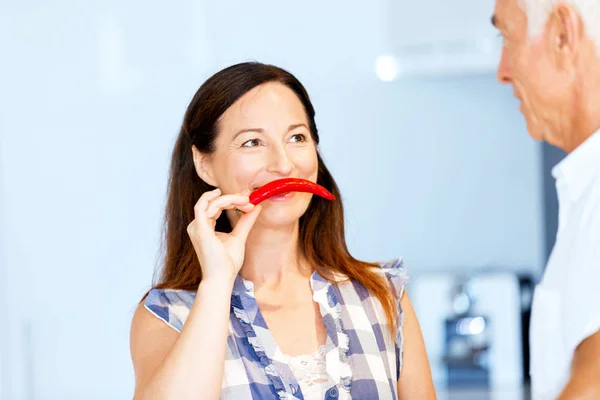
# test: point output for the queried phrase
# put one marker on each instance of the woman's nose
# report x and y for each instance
(280, 162)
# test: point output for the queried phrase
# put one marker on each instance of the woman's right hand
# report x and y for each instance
(221, 255)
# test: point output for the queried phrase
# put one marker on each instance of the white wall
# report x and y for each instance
(440, 171)
(4, 337)
(92, 96)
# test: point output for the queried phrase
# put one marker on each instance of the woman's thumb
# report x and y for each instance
(245, 224)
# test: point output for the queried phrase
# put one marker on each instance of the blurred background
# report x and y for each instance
(431, 154)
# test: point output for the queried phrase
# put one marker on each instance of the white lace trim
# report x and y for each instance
(310, 371)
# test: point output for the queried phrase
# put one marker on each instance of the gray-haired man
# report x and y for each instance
(550, 57)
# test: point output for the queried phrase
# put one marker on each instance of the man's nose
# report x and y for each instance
(503, 74)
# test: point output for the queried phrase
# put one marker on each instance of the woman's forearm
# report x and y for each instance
(193, 368)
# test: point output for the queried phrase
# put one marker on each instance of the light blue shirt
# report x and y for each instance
(363, 360)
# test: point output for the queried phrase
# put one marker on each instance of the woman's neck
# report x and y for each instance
(272, 256)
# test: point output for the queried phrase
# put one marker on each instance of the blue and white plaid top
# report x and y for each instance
(363, 360)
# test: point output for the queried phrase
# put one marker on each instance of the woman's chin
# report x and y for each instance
(277, 216)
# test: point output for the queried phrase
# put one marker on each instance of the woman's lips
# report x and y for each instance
(281, 197)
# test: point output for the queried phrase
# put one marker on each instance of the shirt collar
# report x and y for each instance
(317, 282)
(578, 169)
(242, 286)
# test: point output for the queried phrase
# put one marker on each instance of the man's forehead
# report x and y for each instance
(505, 13)
(499, 10)
(504, 5)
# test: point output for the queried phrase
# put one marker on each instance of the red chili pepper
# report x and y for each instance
(286, 185)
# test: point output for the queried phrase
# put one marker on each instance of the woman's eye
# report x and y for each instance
(299, 137)
(251, 143)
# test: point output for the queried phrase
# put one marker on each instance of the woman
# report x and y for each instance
(262, 302)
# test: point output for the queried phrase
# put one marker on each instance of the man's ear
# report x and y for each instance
(203, 166)
(564, 34)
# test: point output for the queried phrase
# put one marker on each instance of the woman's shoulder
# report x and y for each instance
(172, 306)
(395, 271)
(393, 267)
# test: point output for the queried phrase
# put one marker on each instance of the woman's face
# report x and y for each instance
(262, 137)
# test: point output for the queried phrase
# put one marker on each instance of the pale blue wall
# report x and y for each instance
(440, 171)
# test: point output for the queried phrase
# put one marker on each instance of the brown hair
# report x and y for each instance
(323, 245)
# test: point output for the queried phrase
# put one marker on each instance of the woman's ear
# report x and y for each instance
(203, 165)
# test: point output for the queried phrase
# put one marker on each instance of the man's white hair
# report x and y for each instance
(537, 12)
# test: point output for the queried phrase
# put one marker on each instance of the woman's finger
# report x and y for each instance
(226, 202)
(203, 201)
